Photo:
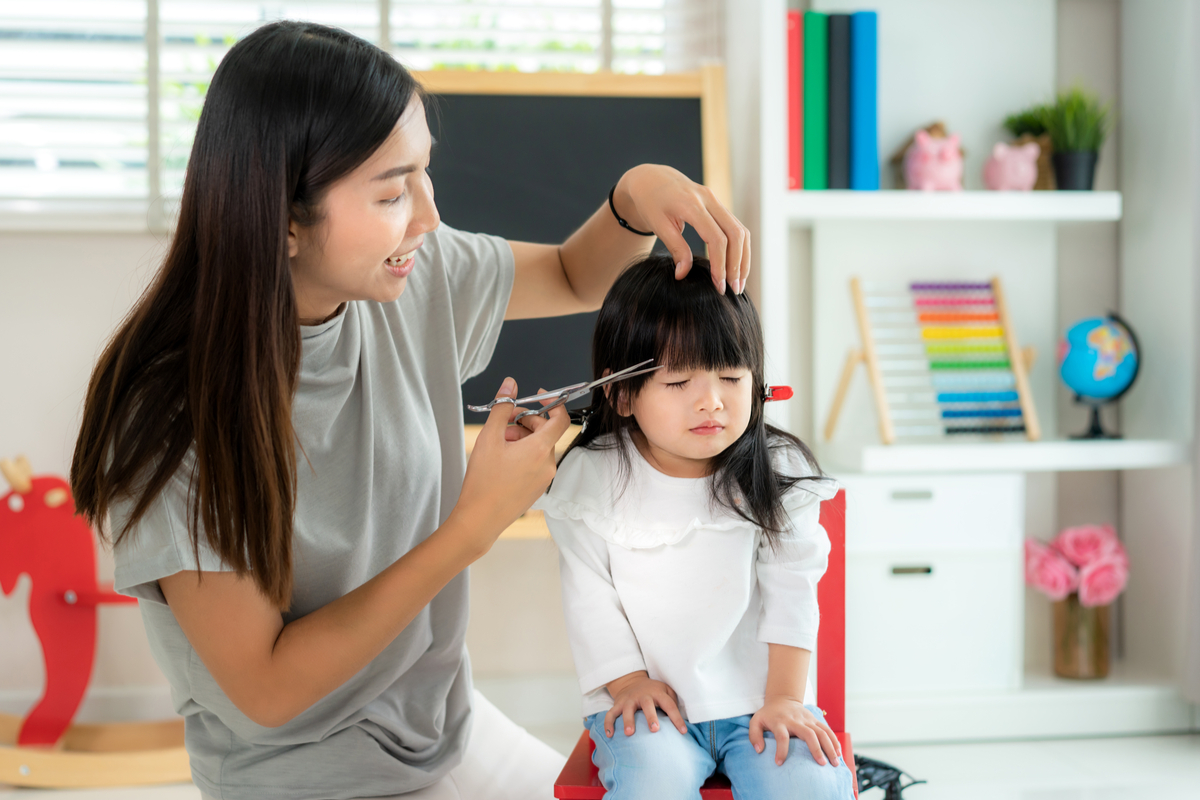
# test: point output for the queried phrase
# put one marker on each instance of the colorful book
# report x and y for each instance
(795, 78)
(838, 143)
(864, 101)
(816, 94)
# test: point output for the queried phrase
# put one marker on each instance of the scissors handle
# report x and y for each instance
(543, 411)
(533, 398)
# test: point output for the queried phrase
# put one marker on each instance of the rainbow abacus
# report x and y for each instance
(942, 358)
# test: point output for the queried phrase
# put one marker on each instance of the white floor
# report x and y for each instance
(1158, 767)
(1143, 768)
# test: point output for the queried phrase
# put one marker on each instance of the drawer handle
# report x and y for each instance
(912, 494)
(912, 570)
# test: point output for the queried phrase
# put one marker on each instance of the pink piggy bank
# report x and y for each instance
(932, 163)
(1012, 168)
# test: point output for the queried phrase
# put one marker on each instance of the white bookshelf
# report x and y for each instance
(1010, 456)
(1121, 705)
(807, 245)
(806, 207)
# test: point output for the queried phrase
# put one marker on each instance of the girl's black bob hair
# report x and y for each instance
(687, 324)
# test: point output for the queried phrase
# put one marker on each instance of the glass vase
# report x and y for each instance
(1080, 640)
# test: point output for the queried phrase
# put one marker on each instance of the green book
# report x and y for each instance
(816, 100)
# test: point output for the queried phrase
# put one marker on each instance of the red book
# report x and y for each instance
(795, 101)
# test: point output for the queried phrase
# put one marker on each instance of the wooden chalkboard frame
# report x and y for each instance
(708, 84)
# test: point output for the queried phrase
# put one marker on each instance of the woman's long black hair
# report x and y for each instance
(687, 324)
(209, 358)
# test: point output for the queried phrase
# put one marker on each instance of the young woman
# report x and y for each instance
(274, 435)
(691, 549)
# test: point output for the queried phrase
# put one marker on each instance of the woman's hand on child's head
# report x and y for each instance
(785, 717)
(636, 691)
(657, 198)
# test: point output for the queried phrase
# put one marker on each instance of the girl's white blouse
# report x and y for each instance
(656, 577)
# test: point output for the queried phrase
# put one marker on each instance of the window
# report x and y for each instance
(99, 99)
(73, 100)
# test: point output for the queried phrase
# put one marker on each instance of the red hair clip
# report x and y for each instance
(778, 393)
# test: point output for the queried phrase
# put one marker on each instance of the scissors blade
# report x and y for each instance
(568, 394)
(628, 372)
(537, 398)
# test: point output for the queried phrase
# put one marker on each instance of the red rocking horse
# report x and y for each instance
(41, 536)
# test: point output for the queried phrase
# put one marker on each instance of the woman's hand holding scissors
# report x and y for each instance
(504, 476)
(513, 462)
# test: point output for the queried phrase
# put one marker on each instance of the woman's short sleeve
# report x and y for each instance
(479, 269)
(158, 545)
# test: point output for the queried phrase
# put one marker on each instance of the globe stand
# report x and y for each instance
(1095, 429)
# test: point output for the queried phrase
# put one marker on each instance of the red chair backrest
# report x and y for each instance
(831, 637)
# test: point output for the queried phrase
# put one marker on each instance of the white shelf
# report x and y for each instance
(1016, 456)
(1046, 707)
(813, 206)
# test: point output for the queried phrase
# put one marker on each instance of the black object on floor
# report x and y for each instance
(876, 774)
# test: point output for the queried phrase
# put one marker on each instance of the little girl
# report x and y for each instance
(690, 554)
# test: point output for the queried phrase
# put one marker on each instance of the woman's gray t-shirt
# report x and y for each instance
(378, 413)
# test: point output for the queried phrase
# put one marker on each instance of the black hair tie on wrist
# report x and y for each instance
(620, 221)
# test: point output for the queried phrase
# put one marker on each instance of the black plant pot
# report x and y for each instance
(1074, 170)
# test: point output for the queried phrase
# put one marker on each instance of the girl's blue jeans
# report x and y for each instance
(668, 765)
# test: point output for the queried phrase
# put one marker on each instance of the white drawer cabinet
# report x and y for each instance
(942, 512)
(934, 597)
(918, 622)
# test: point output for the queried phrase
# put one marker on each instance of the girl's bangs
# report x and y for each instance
(682, 324)
(713, 338)
(697, 328)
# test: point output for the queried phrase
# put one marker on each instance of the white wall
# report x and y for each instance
(61, 296)
(1158, 171)
(1087, 54)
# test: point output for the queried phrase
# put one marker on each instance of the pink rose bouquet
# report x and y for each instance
(1084, 544)
(1088, 559)
(1049, 572)
(1102, 580)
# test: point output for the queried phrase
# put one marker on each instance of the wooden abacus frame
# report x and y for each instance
(1020, 362)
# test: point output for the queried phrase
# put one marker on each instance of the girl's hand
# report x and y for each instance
(653, 197)
(786, 717)
(505, 477)
(634, 691)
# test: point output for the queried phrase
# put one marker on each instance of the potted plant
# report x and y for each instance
(1030, 126)
(1082, 571)
(1078, 124)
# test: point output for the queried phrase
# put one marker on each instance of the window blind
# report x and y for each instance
(73, 99)
(75, 75)
(195, 37)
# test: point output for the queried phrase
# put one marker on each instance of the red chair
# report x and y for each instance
(580, 780)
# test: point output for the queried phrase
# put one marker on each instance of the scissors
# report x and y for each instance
(565, 394)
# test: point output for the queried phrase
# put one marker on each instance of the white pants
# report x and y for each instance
(503, 762)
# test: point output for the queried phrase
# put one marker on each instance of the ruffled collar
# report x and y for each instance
(639, 508)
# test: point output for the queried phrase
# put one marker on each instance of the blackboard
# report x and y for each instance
(533, 167)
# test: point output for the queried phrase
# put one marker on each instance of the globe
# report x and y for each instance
(1098, 361)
